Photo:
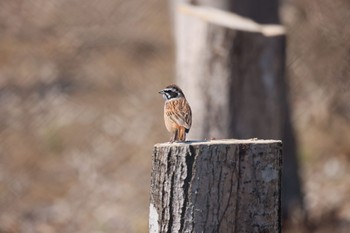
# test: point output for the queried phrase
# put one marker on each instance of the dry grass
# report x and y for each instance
(80, 113)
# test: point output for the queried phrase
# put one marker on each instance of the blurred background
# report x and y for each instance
(80, 111)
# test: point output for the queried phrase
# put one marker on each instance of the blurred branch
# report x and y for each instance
(230, 20)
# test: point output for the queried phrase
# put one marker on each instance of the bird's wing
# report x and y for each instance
(180, 112)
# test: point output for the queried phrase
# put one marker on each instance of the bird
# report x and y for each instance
(177, 113)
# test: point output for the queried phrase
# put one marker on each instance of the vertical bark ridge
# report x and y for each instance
(216, 186)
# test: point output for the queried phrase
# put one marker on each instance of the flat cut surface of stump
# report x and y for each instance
(216, 186)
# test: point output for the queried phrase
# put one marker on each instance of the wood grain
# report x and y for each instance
(216, 186)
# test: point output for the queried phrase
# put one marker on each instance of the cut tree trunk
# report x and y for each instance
(216, 186)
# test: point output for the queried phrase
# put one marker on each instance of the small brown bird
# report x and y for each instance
(177, 113)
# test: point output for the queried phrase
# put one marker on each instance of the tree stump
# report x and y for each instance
(216, 186)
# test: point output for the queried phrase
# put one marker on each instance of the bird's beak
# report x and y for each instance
(161, 92)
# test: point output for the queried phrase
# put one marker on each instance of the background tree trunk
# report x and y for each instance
(235, 82)
(216, 186)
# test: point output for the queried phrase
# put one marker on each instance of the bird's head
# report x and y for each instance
(172, 92)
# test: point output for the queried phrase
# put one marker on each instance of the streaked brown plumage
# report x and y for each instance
(177, 113)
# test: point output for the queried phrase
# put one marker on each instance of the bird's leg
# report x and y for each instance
(174, 136)
(182, 134)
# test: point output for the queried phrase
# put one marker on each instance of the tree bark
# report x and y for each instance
(235, 82)
(216, 186)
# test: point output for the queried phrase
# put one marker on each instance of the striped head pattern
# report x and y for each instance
(172, 92)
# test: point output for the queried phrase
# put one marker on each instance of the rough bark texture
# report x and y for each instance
(235, 82)
(216, 186)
